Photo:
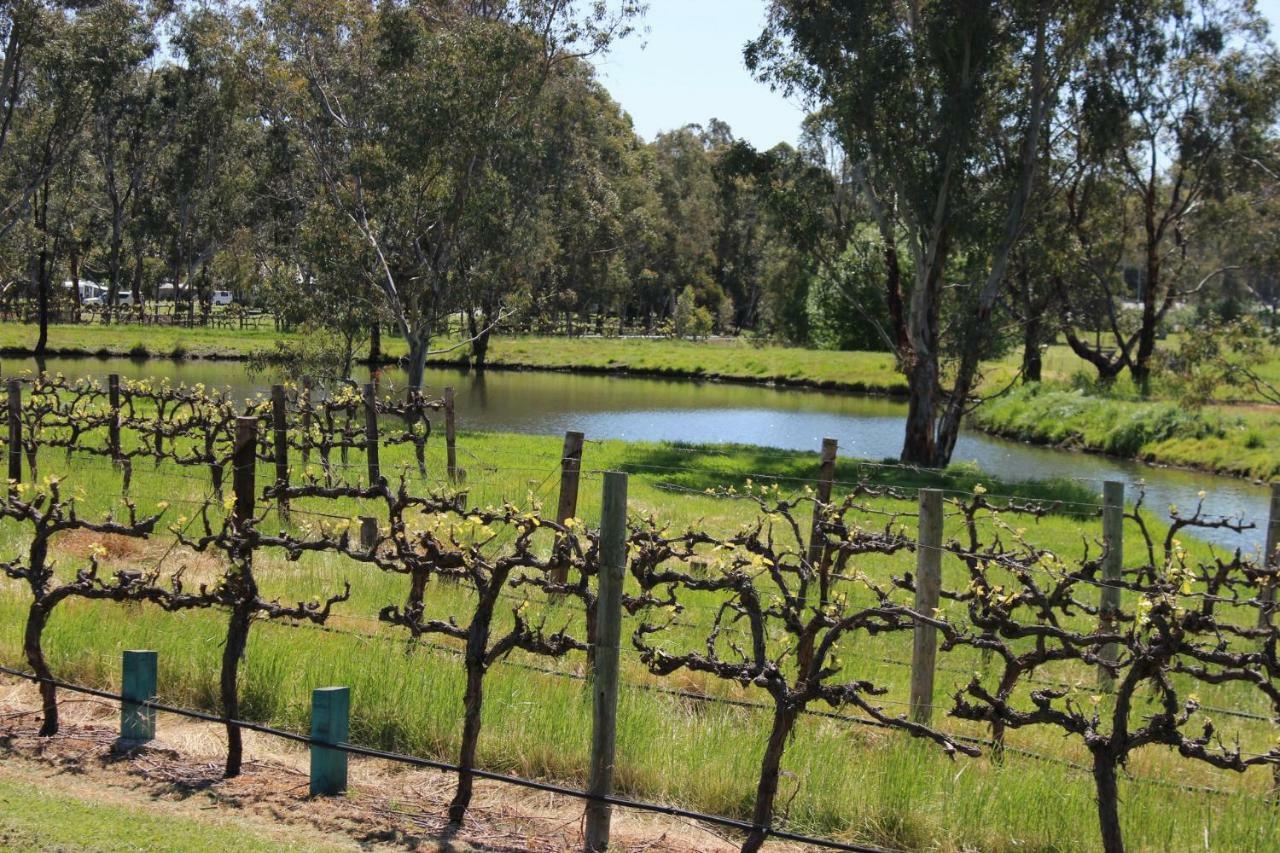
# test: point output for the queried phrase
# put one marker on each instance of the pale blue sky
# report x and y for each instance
(687, 68)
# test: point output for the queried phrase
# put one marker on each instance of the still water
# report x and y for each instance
(681, 410)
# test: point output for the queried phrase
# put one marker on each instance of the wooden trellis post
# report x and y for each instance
(570, 477)
(371, 433)
(304, 403)
(924, 649)
(604, 683)
(368, 532)
(1112, 570)
(15, 435)
(113, 426)
(280, 427)
(244, 461)
(826, 477)
(1267, 594)
(450, 437)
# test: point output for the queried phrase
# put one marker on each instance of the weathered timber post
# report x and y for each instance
(570, 476)
(113, 426)
(604, 683)
(1112, 570)
(1269, 559)
(244, 463)
(826, 476)
(450, 437)
(924, 649)
(304, 403)
(280, 427)
(137, 685)
(15, 435)
(330, 723)
(368, 532)
(371, 433)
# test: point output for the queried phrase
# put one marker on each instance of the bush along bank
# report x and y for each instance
(1236, 441)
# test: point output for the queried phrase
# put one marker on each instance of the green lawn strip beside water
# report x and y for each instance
(843, 779)
(1237, 440)
(737, 360)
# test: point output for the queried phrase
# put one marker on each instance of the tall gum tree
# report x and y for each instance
(409, 113)
(940, 107)
(1173, 110)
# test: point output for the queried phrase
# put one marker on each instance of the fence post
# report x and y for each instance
(15, 435)
(924, 649)
(304, 403)
(138, 684)
(1267, 595)
(450, 437)
(604, 683)
(570, 476)
(368, 532)
(244, 463)
(826, 476)
(1112, 566)
(330, 723)
(371, 433)
(113, 426)
(280, 426)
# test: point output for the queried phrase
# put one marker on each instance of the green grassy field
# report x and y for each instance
(842, 779)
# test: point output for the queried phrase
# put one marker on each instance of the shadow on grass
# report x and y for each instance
(699, 467)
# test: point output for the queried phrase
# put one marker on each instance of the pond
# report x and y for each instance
(637, 409)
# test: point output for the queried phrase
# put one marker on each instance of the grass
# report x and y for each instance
(848, 781)
(35, 818)
(1237, 440)
(735, 360)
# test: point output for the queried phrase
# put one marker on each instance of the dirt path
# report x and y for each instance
(388, 806)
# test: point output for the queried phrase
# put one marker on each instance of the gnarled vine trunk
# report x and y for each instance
(473, 699)
(784, 720)
(37, 618)
(1104, 780)
(232, 652)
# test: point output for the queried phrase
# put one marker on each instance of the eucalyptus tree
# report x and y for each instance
(940, 108)
(213, 140)
(1174, 108)
(124, 122)
(51, 78)
(411, 114)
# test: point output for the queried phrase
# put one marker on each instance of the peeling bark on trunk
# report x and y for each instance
(1032, 358)
(918, 445)
(416, 366)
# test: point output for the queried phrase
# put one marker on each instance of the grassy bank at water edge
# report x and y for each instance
(1242, 441)
(735, 360)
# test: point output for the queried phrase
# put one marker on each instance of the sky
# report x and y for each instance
(685, 67)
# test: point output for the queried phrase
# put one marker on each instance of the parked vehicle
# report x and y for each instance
(91, 294)
(222, 297)
(124, 298)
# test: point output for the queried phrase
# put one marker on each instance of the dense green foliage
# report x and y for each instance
(974, 179)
